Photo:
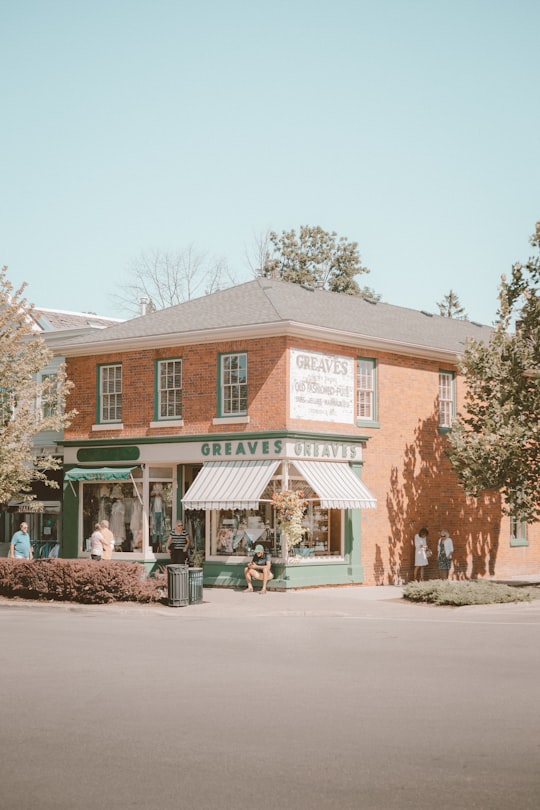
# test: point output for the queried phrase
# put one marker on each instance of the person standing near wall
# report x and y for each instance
(179, 543)
(420, 554)
(21, 545)
(445, 551)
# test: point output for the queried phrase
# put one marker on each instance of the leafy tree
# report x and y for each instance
(27, 405)
(165, 278)
(450, 307)
(496, 443)
(316, 257)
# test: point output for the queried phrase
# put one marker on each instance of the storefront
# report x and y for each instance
(223, 487)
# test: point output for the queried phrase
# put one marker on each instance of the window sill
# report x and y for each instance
(515, 543)
(230, 420)
(368, 423)
(167, 423)
(443, 430)
(109, 426)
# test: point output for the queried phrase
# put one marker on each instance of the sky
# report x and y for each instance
(411, 127)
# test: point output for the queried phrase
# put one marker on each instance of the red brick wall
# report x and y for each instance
(405, 465)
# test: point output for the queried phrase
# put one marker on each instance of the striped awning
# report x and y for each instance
(230, 485)
(336, 485)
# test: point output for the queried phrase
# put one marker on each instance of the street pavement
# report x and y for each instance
(323, 698)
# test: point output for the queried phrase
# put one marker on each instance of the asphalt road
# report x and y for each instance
(327, 700)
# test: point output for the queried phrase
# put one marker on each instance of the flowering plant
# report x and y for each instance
(290, 508)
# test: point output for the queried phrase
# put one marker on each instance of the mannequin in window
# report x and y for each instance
(156, 517)
(117, 525)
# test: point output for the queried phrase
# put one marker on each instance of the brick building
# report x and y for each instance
(205, 409)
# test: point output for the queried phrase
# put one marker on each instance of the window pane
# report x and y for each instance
(111, 394)
(446, 399)
(366, 389)
(234, 383)
(170, 389)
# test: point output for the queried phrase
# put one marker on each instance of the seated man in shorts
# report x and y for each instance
(259, 568)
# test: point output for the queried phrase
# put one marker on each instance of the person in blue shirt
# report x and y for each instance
(259, 568)
(21, 545)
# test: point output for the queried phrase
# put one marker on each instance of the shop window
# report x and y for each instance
(120, 505)
(233, 384)
(169, 389)
(366, 389)
(518, 533)
(110, 393)
(236, 532)
(447, 399)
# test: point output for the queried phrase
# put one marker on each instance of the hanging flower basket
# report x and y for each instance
(290, 508)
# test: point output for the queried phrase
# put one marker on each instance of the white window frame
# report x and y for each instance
(231, 382)
(110, 400)
(165, 392)
(366, 389)
(447, 399)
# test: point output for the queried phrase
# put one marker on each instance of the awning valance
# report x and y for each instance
(336, 485)
(230, 485)
(99, 474)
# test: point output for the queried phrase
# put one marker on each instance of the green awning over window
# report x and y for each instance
(99, 474)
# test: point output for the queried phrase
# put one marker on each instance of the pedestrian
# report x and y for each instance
(107, 540)
(421, 554)
(445, 550)
(259, 568)
(179, 543)
(21, 546)
(96, 543)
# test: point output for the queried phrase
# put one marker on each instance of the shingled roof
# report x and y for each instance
(266, 303)
(59, 319)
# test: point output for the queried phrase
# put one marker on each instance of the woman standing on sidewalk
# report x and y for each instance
(420, 554)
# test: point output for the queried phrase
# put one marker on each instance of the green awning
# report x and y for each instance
(99, 474)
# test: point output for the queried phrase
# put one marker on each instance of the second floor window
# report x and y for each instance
(49, 395)
(447, 398)
(233, 384)
(110, 393)
(365, 377)
(169, 389)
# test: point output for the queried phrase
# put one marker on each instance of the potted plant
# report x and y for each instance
(290, 508)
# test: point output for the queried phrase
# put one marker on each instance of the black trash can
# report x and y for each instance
(195, 586)
(178, 585)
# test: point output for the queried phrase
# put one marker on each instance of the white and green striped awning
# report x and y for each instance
(230, 485)
(336, 485)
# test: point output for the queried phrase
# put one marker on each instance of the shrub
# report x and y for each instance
(467, 592)
(84, 581)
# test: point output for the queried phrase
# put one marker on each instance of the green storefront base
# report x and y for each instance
(286, 576)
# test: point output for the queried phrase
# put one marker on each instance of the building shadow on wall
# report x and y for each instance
(425, 492)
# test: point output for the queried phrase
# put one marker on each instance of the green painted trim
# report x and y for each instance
(217, 437)
(70, 521)
(286, 577)
(366, 423)
(179, 490)
(126, 453)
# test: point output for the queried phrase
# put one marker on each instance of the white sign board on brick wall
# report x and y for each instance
(321, 387)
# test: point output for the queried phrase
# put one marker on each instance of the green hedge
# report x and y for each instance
(467, 592)
(84, 581)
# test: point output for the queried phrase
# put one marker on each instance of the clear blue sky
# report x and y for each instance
(409, 126)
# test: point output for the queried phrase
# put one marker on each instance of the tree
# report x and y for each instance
(315, 257)
(27, 405)
(164, 278)
(496, 443)
(450, 307)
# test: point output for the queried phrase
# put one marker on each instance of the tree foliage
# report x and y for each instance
(496, 443)
(27, 405)
(315, 257)
(450, 307)
(166, 278)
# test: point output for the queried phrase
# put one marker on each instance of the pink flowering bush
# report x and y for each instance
(290, 508)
